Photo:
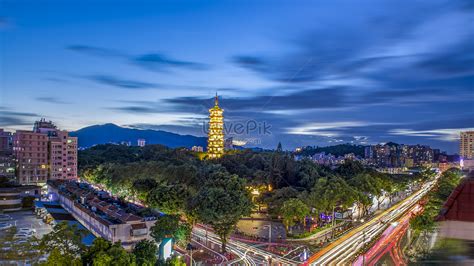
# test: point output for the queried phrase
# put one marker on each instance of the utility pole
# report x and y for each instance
(333, 221)
(269, 226)
(363, 244)
(270, 233)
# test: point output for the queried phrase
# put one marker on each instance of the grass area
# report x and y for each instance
(307, 234)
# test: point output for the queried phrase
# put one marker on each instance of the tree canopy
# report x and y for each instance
(145, 253)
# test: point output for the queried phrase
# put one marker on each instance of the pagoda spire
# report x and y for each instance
(215, 139)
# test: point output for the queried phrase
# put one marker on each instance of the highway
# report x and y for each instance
(343, 250)
(248, 254)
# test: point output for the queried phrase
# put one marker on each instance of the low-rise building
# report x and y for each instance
(104, 217)
(197, 149)
(141, 142)
(11, 197)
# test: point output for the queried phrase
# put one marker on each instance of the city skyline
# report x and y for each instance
(319, 74)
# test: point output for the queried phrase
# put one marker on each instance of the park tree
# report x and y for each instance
(55, 258)
(221, 202)
(366, 184)
(142, 187)
(175, 261)
(277, 197)
(170, 226)
(65, 239)
(383, 186)
(169, 199)
(145, 252)
(294, 209)
(103, 253)
(350, 168)
(329, 193)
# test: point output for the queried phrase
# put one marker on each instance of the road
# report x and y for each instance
(343, 250)
(247, 254)
(389, 242)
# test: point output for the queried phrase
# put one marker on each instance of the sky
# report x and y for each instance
(299, 72)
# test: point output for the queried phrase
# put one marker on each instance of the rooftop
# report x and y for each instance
(105, 209)
(460, 204)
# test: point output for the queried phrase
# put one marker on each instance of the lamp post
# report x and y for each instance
(190, 248)
(363, 244)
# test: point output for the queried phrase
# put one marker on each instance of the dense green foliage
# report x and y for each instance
(170, 226)
(435, 200)
(221, 202)
(293, 209)
(64, 246)
(145, 253)
(104, 253)
(337, 150)
(177, 182)
(65, 239)
(171, 181)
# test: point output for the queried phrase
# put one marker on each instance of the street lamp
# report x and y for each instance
(190, 248)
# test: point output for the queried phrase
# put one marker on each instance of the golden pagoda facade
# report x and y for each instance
(215, 139)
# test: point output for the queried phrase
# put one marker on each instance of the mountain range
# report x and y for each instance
(111, 133)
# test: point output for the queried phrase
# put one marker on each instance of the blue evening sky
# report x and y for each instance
(316, 72)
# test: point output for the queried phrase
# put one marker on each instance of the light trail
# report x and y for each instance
(343, 249)
(259, 256)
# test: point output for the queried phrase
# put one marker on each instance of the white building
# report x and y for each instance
(197, 149)
(141, 142)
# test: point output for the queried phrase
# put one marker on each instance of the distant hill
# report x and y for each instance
(111, 133)
(337, 150)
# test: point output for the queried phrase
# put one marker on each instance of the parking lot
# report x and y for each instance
(27, 219)
(15, 248)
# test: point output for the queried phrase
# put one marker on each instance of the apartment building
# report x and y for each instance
(44, 153)
(62, 156)
(466, 147)
(30, 150)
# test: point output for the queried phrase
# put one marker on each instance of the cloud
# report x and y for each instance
(122, 83)
(458, 61)
(192, 129)
(150, 61)
(52, 100)
(303, 99)
(443, 134)
(136, 109)
(325, 129)
(12, 118)
(96, 51)
(160, 62)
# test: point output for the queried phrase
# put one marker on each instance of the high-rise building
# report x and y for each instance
(7, 162)
(399, 155)
(5, 142)
(30, 150)
(466, 147)
(62, 150)
(44, 153)
(215, 140)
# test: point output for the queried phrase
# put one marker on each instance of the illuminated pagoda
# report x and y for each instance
(215, 139)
